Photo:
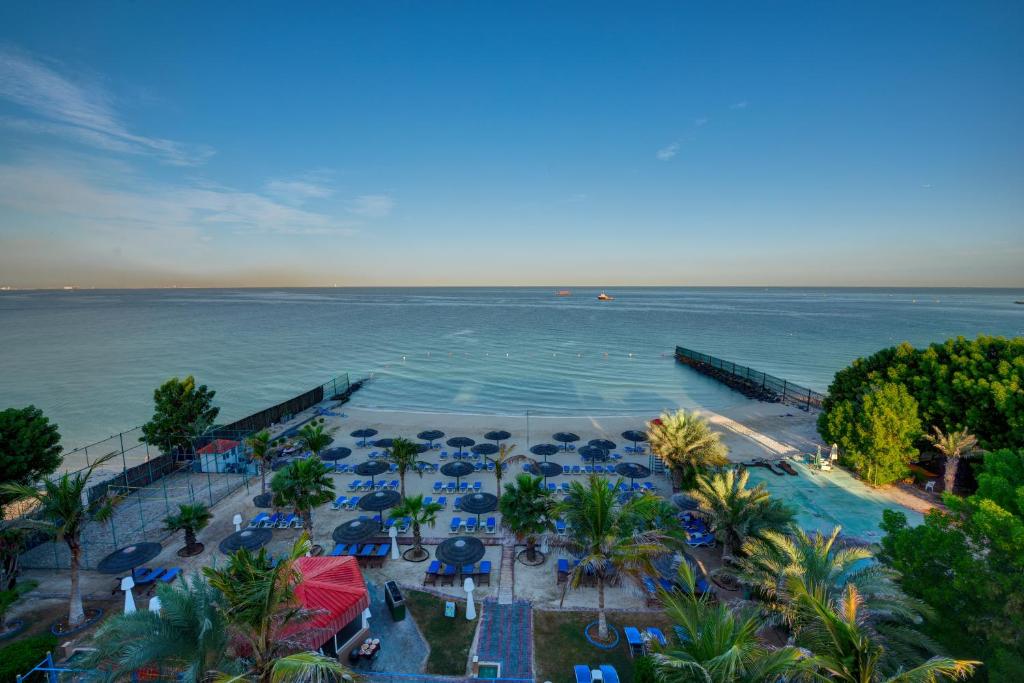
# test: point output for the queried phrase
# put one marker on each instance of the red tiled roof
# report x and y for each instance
(218, 446)
(333, 587)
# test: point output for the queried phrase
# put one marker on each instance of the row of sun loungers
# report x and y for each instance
(371, 554)
(149, 578)
(605, 673)
(370, 485)
(278, 520)
(697, 533)
(640, 642)
(447, 574)
(469, 525)
(457, 487)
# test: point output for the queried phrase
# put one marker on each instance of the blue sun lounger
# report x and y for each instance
(338, 550)
(655, 633)
(635, 641)
(582, 673)
(170, 575)
(149, 577)
(258, 520)
(608, 673)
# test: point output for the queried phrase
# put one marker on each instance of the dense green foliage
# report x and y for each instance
(181, 412)
(968, 565)
(404, 455)
(735, 512)
(261, 453)
(18, 657)
(526, 510)
(313, 438)
(420, 514)
(687, 444)
(976, 385)
(190, 518)
(876, 432)
(303, 485)
(29, 447)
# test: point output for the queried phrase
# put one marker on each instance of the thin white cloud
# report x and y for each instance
(702, 121)
(372, 205)
(668, 151)
(743, 104)
(56, 105)
(298, 191)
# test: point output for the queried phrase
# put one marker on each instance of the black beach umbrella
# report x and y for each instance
(421, 447)
(371, 468)
(380, 501)
(384, 443)
(593, 453)
(249, 539)
(634, 435)
(460, 551)
(430, 436)
(484, 449)
(497, 435)
(354, 531)
(123, 560)
(478, 503)
(364, 434)
(460, 442)
(457, 469)
(544, 449)
(544, 469)
(603, 443)
(565, 438)
(336, 453)
(633, 471)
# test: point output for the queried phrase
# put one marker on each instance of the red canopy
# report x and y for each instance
(332, 587)
(218, 446)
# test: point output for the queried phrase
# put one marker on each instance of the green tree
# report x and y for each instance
(687, 445)
(63, 514)
(876, 432)
(735, 513)
(503, 461)
(261, 453)
(420, 514)
(606, 538)
(303, 485)
(190, 518)
(181, 412)
(403, 455)
(12, 545)
(526, 511)
(975, 384)
(314, 439)
(954, 444)
(266, 620)
(29, 447)
(721, 643)
(187, 636)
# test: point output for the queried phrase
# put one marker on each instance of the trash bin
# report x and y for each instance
(395, 601)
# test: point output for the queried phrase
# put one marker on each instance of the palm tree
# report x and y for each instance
(503, 461)
(190, 518)
(419, 513)
(956, 444)
(303, 485)
(403, 455)
(266, 619)
(735, 512)
(687, 444)
(189, 636)
(314, 439)
(721, 643)
(526, 511)
(846, 650)
(64, 514)
(608, 539)
(260, 445)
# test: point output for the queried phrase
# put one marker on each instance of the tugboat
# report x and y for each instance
(604, 297)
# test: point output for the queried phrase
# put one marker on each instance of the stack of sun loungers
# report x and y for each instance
(447, 574)
(605, 673)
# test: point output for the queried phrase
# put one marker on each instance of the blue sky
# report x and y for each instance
(847, 143)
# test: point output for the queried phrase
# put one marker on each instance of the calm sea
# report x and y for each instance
(91, 358)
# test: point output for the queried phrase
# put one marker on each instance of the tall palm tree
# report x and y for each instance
(190, 518)
(403, 455)
(845, 649)
(526, 510)
(607, 538)
(419, 514)
(314, 439)
(260, 445)
(955, 444)
(721, 643)
(63, 515)
(687, 444)
(735, 512)
(503, 461)
(303, 485)
(188, 636)
(266, 619)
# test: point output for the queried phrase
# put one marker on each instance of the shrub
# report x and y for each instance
(20, 656)
(643, 670)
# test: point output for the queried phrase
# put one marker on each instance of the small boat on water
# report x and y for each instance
(1019, 302)
(564, 292)
(604, 297)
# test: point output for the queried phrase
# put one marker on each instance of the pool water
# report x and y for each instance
(488, 671)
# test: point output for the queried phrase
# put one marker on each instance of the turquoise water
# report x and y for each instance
(92, 358)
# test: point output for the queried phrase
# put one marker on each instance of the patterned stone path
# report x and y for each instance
(507, 580)
(505, 636)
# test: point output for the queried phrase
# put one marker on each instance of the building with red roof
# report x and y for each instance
(333, 588)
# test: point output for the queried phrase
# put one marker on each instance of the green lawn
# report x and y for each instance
(449, 639)
(559, 643)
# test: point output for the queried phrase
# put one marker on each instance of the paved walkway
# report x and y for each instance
(505, 636)
(507, 575)
(402, 647)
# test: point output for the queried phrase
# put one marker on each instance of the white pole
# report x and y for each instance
(469, 586)
(393, 535)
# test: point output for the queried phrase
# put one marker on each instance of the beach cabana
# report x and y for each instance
(333, 589)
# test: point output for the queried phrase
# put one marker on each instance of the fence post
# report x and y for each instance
(86, 449)
(124, 461)
(808, 399)
(785, 385)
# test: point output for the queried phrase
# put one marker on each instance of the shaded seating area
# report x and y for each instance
(370, 555)
(445, 574)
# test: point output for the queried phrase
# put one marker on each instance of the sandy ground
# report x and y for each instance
(750, 430)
